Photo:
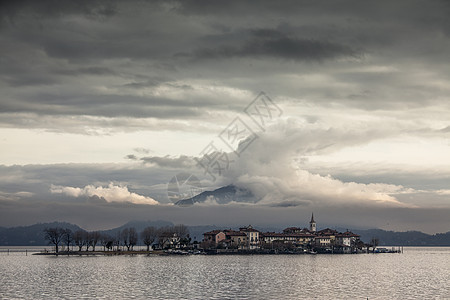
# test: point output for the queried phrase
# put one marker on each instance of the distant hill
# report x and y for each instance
(34, 235)
(408, 238)
(30, 235)
(139, 226)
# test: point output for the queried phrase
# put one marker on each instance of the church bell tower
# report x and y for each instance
(312, 224)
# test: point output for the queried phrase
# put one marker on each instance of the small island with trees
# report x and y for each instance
(176, 240)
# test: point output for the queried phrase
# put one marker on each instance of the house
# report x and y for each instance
(295, 238)
(253, 241)
(170, 240)
(236, 239)
(325, 237)
(214, 236)
(270, 237)
(347, 238)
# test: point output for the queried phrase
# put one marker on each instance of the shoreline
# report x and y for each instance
(209, 253)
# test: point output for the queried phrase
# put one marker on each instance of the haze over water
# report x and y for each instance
(418, 273)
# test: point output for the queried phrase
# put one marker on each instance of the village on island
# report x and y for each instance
(291, 240)
(175, 240)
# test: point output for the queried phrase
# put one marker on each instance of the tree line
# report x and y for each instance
(127, 238)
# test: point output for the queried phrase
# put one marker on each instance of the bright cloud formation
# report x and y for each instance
(111, 193)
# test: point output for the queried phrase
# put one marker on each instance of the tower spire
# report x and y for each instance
(312, 224)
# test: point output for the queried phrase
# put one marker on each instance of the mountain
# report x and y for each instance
(223, 195)
(138, 225)
(34, 235)
(30, 235)
(408, 238)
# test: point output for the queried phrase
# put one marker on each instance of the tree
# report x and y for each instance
(117, 240)
(68, 237)
(165, 235)
(374, 243)
(181, 230)
(148, 236)
(129, 237)
(94, 238)
(124, 237)
(106, 241)
(54, 236)
(132, 237)
(87, 240)
(79, 239)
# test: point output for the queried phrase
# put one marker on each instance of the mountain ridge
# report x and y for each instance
(33, 235)
(222, 195)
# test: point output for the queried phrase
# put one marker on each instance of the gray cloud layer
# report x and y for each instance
(109, 51)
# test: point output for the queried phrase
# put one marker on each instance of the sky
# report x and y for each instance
(340, 108)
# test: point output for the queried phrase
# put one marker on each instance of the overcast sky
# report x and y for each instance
(102, 103)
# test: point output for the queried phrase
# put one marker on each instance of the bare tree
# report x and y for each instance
(94, 238)
(181, 230)
(87, 240)
(374, 243)
(132, 237)
(68, 237)
(148, 236)
(124, 237)
(78, 238)
(129, 237)
(54, 236)
(117, 240)
(106, 241)
(165, 235)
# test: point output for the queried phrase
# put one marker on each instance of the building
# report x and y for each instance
(312, 224)
(248, 238)
(214, 236)
(171, 241)
(347, 238)
(325, 237)
(235, 239)
(300, 238)
(253, 241)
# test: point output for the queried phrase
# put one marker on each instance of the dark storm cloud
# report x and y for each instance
(10, 10)
(86, 71)
(109, 105)
(273, 43)
(151, 45)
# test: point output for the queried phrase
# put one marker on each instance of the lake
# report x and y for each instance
(418, 273)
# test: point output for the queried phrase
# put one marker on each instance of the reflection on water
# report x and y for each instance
(417, 274)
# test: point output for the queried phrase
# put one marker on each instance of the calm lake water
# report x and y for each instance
(418, 273)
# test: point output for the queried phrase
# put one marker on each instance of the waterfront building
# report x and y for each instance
(249, 238)
(214, 236)
(235, 239)
(347, 238)
(252, 234)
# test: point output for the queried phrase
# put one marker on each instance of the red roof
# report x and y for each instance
(348, 234)
(230, 232)
(296, 235)
(213, 232)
